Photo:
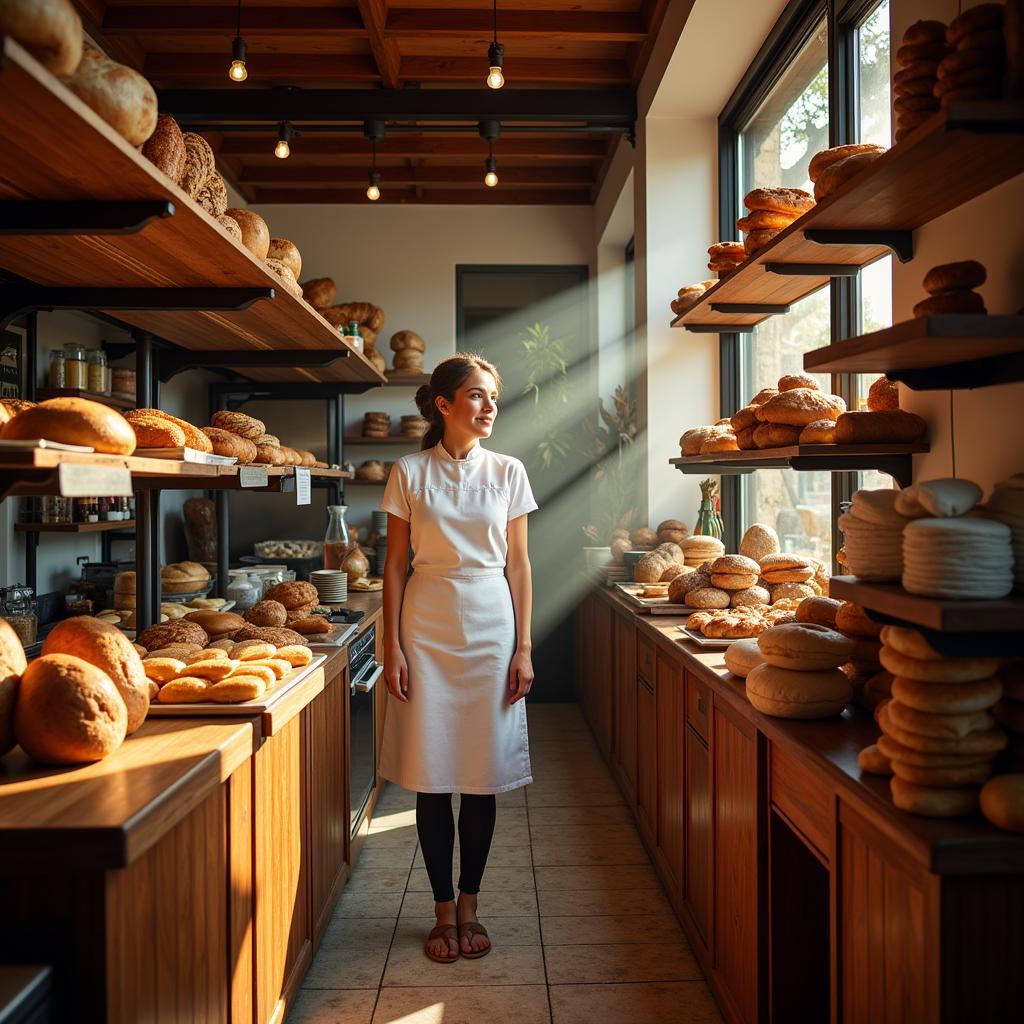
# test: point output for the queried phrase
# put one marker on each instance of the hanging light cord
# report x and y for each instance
(238, 23)
(373, 151)
(495, 19)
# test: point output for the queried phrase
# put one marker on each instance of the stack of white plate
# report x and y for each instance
(331, 585)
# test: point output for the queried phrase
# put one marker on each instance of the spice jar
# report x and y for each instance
(76, 373)
(56, 378)
(18, 607)
(97, 371)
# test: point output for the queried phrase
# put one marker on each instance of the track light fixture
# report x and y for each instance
(491, 177)
(490, 131)
(373, 130)
(495, 57)
(285, 134)
(238, 72)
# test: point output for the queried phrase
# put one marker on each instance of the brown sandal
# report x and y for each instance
(437, 932)
(467, 931)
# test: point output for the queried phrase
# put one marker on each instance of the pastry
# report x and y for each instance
(68, 711)
(233, 445)
(950, 302)
(72, 421)
(883, 395)
(894, 426)
(800, 406)
(784, 693)
(186, 690)
(784, 200)
(319, 292)
(255, 237)
(1002, 802)
(827, 157)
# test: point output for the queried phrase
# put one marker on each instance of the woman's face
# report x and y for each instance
(475, 407)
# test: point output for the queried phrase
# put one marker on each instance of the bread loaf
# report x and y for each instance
(121, 96)
(255, 233)
(893, 426)
(269, 455)
(833, 177)
(199, 164)
(194, 437)
(288, 253)
(362, 312)
(12, 666)
(165, 148)
(156, 432)
(213, 195)
(108, 649)
(231, 445)
(73, 421)
(239, 423)
(200, 518)
(285, 276)
(230, 225)
(407, 340)
(828, 157)
(319, 292)
(294, 594)
(799, 406)
(68, 711)
(50, 30)
(216, 623)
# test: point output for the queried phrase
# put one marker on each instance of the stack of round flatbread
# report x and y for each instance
(964, 557)
(1007, 506)
(873, 535)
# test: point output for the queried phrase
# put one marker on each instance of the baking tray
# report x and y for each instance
(653, 605)
(706, 641)
(260, 706)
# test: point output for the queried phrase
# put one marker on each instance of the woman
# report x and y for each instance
(457, 644)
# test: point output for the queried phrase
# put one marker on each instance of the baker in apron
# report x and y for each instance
(457, 641)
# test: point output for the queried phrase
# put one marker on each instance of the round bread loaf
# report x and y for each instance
(932, 802)
(213, 196)
(750, 597)
(165, 148)
(818, 432)
(975, 19)
(820, 611)
(279, 636)
(833, 177)
(873, 761)
(407, 340)
(791, 381)
(643, 536)
(12, 665)
(727, 251)
(73, 421)
(896, 751)
(785, 200)
(757, 240)
(735, 564)
(319, 292)
(287, 278)
(649, 567)
(239, 423)
(50, 30)
(827, 157)
(925, 32)
(853, 620)
(288, 253)
(733, 581)
(800, 406)
(930, 723)
(764, 220)
(156, 432)
(804, 646)
(199, 164)
(962, 275)
(216, 623)
(1002, 802)
(267, 613)
(775, 435)
(231, 445)
(69, 711)
(883, 394)
(180, 631)
(109, 650)
(758, 542)
(742, 656)
(230, 225)
(119, 94)
(948, 670)
(943, 778)
(786, 694)
(708, 597)
(950, 302)
(744, 418)
(255, 234)
(982, 744)
(725, 441)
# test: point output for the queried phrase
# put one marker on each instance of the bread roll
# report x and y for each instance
(293, 594)
(884, 394)
(286, 277)
(255, 233)
(804, 646)
(73, 421)
(818, 432)
(319, 292)
(833, 177)
(50, 30)
(827, 157)
(799, 406)
(783, 693)
(1002, 802)
(230, 225)
(231, 445)
(288, 253)
(269, 455)
(12, 665)
(891, 427)
(216, 623)
(121, 96)
(743, 656)
(109, 650)
(404, 340)
(68, 711)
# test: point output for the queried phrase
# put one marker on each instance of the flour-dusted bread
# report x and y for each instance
(255, 233)
(199, 163)
(120, 95)
(165, 148)
(213, 195)
(284, 275)
(50, 30)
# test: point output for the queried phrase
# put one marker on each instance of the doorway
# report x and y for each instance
(532, 322)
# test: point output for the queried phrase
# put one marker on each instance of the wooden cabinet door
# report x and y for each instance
(646, 759)
(697, 860)
(670, 710)
(624, 706)
(735, 872)
(584, 638)
(601, 722)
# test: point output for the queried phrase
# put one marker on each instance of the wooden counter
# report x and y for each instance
(805, 893)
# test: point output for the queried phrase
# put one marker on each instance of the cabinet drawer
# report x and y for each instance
(697, 701)
(645, 658)
(802, 796)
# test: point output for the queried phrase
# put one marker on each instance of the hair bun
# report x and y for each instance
(424, 402)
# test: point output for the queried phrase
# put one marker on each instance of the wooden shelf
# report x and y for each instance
(124, 524)
(42, 394)
(412, 381)
(891, 601)
(894, 459)
(57, 149)
(959, 153)
(961, 351)
(393, 439)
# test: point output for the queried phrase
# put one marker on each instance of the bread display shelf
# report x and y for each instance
(893, 459)
(287, 698)
(412, 380)
(950, 351)
(959, 153)
(43, 394)
(123, 524)
(56, 149)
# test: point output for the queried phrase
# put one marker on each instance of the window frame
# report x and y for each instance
(792, 30)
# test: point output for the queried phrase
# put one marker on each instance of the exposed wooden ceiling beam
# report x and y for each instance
(576, 26)
(195, 68)
(519, 70)
(283, 173)
(281, 22)
(374, 14)
(409, 145)
(449, 197)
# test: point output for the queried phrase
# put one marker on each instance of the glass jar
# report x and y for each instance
(337, 542)
(243, 590)
(97, 371)
(57, 377)
(123, 382)
(76, 372)
(18, 607)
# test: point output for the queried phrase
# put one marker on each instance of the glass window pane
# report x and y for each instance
(776, 146)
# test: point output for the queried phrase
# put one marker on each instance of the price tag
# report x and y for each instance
(302, 485)
(252, 476)
(77, 480)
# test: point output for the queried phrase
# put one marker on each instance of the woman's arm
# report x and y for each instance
(396, 571)
(520, 583)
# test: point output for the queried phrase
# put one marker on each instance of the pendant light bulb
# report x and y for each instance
(283, 148)
(238, 72)
(491, 177)
(373, 191)
(495, 58)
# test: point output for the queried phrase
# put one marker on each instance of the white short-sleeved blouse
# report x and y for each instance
(458, 509)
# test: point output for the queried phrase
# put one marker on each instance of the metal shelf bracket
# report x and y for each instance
(719, 328)
(813, 269)
(80, 217)
(748, 307)
(900, 242)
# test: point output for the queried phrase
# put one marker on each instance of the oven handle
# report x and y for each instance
(366, 684)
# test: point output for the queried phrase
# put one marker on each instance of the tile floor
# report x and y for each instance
(582, 930)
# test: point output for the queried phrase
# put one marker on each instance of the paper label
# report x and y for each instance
(75, 480)
(252, 476)
(302, 486)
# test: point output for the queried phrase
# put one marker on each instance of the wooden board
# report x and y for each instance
(56, 148)
(937, 168)
(825, 452)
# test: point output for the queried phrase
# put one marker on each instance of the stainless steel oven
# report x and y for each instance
(364, 671)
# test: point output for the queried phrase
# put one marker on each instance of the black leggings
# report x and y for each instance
(435, 828)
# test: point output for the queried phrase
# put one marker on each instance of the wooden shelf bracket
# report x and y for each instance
(900, 242)
(80, 217)
(172, 361)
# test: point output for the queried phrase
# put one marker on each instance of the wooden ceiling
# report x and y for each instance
(557, 46)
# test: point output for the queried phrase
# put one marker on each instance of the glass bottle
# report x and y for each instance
(76, 374)
(57, 377)
(97, 371)
(336, 541)
(243, 590)
(354, 337)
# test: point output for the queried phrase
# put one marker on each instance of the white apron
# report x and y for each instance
(458, 732)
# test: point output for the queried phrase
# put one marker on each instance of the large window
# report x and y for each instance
(775, 146)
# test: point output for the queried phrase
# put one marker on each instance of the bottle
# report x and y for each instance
(337, 542)
(354, 338)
